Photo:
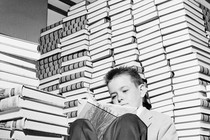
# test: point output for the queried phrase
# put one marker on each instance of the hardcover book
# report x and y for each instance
(101, 115)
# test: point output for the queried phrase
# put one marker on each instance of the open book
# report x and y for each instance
(101, 115)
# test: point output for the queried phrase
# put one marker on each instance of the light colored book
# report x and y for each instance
(14, 69)
(196, 137)
(191, 49)
(100, 38)
(126, 41)
(15, 113)
(151, 54)
(100, 44)
(103, 61)
(141, 6)
(161, 90)
(162, 103)
(98, 17)
(97, 23)
(28, 124)
(159, 98)
(121, 20)
(16, 101)
(165, 109)
(17, 61)
(19, 79)
(120, 15)
(158, 71)
(163, 76)
(191, 89)
(192, 103)
(192, 132)
(153, 60)
(125, 54)
(148, 31)
(156, 65)
(189, 96)
(102, 55)
(147, 25)
(189, 83)
(99, 33)
(126, 60)
(100, 49)
(146, 18)
(149, 43)
(189, 57)
(149, 37)
(191, 125)
(145, 12)
(123, 36)
(120, 9)
(192, 76)
(125, 48)
(123, 31)
(100, 27)
(98, 12)
(120, 4)
(122, 25)
(159, 84)
(97, 6)
(95, 3)
(151, 48)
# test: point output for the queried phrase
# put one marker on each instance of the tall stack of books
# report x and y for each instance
(100, 47)
(48, 66)
(28, 113)
(153, 56)
(186, 45)
(76, 67)
(17, 62)
(123, 33)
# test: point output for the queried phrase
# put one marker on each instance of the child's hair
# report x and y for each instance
(136, 79)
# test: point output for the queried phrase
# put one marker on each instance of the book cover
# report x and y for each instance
(101, 115)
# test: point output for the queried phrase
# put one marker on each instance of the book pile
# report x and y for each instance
(153, 56)
(123, 33)
(48, 66)
(17, 62)
(28, 113)
(186, 46)
(76, 67)
(100, 47)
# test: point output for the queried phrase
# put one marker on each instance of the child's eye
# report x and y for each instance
(124, 91)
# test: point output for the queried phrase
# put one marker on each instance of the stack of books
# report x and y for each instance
(76, 67)
(31, 113)
(49, 64)
(186, 46)
(123, 33)
(153, 56)
(100, 46)
(18, 62)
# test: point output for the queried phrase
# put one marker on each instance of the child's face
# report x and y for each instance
(124, 92)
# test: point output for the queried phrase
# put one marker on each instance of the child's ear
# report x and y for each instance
(143, 90)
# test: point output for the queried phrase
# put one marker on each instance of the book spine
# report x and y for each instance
(70, 104)
(7, 92)
(14, 124)
(9, 103)
(72, 114)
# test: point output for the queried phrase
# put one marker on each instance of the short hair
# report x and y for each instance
(135, 77)
(124, 70)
